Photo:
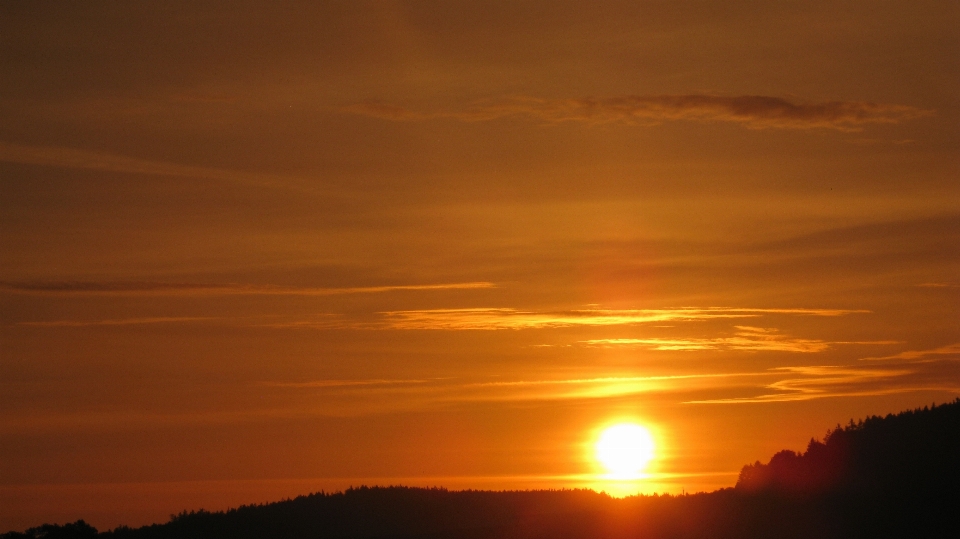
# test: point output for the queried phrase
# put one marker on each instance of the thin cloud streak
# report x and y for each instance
(910, 355)
(748, 338)
(598, 388)
(822, 395)
(506, 318)
(433, 392)
(753, 111)
(344, 383)
(198, 289)
(120, 321)
(55, 156)
(829, 375)
(818, 382)
(485, 319)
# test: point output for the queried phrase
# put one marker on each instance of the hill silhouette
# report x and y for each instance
(895, 476)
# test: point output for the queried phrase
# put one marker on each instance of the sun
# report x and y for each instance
(625, 450)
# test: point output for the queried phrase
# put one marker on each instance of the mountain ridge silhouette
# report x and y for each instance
(892, 476)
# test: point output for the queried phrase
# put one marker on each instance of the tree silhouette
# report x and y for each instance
(73, 530)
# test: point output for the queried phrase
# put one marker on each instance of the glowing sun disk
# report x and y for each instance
(625, 450)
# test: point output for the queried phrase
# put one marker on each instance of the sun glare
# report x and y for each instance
(625, 450)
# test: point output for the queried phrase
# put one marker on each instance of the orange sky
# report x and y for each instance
(254, 252)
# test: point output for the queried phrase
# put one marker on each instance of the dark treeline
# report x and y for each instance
(896, 476)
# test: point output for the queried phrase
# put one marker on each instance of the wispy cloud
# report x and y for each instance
(504, 318)
(596, 388)
(434, 392)
(830, 381)
(56, 156)
(318, 321)
(754, 111)
(120, 321)
(376, 382)
(747, 338)
(473, 319)
(912, 355)
(231, 289)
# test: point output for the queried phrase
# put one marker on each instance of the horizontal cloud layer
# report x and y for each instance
(746, 338)
(779, 384)
(754, 111)
(487, 318)
(353, 397)
(119, 321)
(502, 318)
(178, 289)
(56, 156)
(923, 355)
(829, 381)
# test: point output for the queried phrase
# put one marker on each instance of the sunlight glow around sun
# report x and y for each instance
(625, 450)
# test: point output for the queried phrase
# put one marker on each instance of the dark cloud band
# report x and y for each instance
(754, 111)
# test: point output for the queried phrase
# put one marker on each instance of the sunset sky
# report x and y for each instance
(250, 251)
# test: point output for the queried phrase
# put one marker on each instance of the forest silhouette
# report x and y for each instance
(894, 476)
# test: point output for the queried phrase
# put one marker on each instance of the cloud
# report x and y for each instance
(387, 111)
(195, 289)
(205, 97)
(597, 388)
(910, 355)
(747, 338)
(386, 394)
(317, 321)
(344, 383)
(779, 384)
(56, 156)
(753, 111)
(352, 398)
(819, 382)
(358, 397)
(830, 381)
(461, 319)
(504, 318)
(120, 321)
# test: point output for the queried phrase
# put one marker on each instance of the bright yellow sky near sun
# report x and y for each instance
(255, 251)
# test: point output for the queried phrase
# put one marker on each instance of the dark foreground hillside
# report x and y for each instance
(896, 476)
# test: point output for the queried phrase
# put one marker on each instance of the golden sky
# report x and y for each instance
(253, 251)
